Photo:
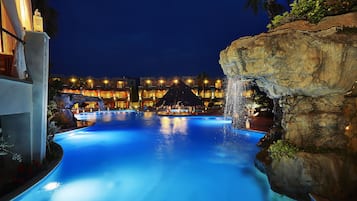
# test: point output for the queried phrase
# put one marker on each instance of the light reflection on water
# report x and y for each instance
(170, 126)
(144, 157)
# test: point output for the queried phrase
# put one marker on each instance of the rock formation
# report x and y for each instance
(312, 70)
(65, 102)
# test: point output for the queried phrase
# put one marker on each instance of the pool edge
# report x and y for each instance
(32, 182)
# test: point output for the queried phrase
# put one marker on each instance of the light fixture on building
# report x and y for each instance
(161, 81)
(73, 80)
(37, 21)
(348, 127)
(106, 81)
(205, 81)
(176, 81)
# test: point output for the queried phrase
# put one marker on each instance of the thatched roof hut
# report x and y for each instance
(179, 94)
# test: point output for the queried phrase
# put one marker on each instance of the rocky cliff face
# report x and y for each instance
(310, 68)
(297, 62)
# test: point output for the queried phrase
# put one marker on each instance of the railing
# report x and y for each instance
(6, 64)
(6, 60)
(12, 35)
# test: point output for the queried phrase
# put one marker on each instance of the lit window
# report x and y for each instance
(90, 83)
(24, 11)
(218, 84)
(120, 84)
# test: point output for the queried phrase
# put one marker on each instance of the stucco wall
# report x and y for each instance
(37, 57)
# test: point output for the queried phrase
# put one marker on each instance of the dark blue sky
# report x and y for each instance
(117, 38)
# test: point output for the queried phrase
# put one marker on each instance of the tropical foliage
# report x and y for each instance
(272, 7)
(52, 127)
(201, 81)
(313, 10)
(282, 149)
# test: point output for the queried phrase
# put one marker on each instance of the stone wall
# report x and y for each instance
(314, 122)
(328, 175)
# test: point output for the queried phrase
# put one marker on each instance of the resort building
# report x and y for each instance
(125, 93)
(24, 51)
(116, 93)
(151, 89)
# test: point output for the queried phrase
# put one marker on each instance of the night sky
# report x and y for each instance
(129, 38)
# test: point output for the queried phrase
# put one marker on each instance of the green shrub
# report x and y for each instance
(279, 20)
(335, 7)
(282, 149)
(313, 10)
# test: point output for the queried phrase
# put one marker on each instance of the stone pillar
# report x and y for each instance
(37, 59)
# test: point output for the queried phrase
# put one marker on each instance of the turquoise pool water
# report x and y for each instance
(131, 156)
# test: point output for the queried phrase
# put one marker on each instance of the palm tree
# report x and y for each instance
(272, 7)
(201, 81)
(254, 5)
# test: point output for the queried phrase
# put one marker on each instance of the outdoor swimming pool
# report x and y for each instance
(130, 156)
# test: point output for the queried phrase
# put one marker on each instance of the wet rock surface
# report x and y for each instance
(329, 175)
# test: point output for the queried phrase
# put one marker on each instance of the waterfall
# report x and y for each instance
(235, 101)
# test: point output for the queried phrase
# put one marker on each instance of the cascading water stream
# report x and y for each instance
(235, 101)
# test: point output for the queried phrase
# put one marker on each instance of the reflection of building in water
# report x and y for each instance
(107, 117)
(180, 125)
(148, 115)
(92, 116)
(165, 126)
(121, 116)
(171, 126)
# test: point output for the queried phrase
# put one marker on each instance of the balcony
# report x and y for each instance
(6, 65)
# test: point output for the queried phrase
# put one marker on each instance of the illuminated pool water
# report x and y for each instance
(129, 156)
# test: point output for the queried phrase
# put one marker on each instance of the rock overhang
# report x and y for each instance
(297, 61)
